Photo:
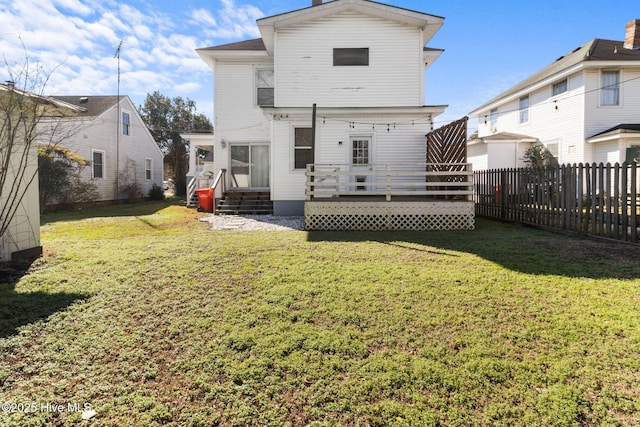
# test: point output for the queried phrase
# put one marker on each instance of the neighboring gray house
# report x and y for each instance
(115, 141)
(584, 107)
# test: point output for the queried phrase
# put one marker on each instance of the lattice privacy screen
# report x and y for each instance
(360, 217)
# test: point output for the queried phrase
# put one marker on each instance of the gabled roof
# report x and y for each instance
(594, 51)
(429, 24)
(93, 105)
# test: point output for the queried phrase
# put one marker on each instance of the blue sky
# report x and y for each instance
(489, 45)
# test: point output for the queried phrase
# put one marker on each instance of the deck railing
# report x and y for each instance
(435, 180)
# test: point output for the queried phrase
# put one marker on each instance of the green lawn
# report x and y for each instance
(142, 313)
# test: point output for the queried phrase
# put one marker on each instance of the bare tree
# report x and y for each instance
(27, 119)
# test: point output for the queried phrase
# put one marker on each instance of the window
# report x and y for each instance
(610, 92)
(148, 168)
(493, 119)
(559, 87)
(524, 109)
(303, 148)
(360, 152)
(97, 164)
(264, 88)
(350, 56)
(126, 123)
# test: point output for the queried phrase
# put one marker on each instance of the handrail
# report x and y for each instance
(191, 189)
(220, 177)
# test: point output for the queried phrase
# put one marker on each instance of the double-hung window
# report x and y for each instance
(523, 107)
(493, 119)
(97, 164)
(148, 168)
(302, 148)
(264, 88)
(126, 124)
(610, 90)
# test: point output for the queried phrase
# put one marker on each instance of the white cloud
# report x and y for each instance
(75, 41)
(231, 22)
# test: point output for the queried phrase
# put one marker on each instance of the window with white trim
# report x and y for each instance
(126, 123)
(559, 87)
(523, 107)
(493, 120)
(360, 151)
(264, 88)
(97, 164)
(148, 169)
(610, 90)
(302, 147)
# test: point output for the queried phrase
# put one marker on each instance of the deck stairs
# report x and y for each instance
(245, 203)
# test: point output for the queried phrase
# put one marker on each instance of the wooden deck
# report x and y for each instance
(389, 197)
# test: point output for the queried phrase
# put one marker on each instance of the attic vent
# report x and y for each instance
(84, 100)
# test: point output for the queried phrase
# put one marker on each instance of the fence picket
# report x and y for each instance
(594, 199)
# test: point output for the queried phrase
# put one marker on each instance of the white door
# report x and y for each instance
(360, 155)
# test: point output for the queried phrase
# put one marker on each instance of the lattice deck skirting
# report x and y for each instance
(380, 215)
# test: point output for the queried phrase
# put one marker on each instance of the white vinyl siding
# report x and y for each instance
(305, 73)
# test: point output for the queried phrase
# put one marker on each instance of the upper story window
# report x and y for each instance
(264, 88)
(97, 164)
(523, 107)
(493, 119)
(350, 56)
(559, 87)
(126, 123)
(302, 148)
(610, 90)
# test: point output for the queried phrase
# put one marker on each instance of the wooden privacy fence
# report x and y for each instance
(594, 199)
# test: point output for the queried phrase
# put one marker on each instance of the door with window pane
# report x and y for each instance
(250, 166)
(360, 161)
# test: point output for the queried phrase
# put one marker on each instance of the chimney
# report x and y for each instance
(632, 36)
(316, 2)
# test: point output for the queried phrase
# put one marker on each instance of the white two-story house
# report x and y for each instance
(360, 63)
(584, 107)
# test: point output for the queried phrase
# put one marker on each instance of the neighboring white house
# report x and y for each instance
(584, 107)
(116, 143)
(362, 63)
(19, 201)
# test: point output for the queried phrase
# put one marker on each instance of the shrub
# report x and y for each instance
(156, 192)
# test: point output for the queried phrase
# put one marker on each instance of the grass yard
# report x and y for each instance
(150, 319)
